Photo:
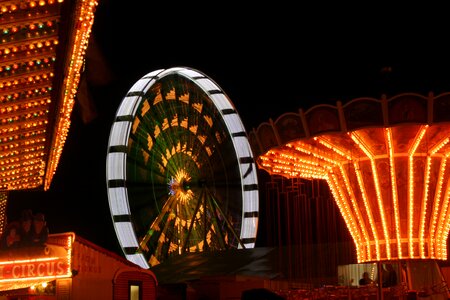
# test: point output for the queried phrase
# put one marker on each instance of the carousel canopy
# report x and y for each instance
(42, 50)
(385, 162)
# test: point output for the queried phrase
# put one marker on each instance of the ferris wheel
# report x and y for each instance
(180, 172)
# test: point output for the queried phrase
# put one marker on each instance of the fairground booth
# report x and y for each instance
(70, 267)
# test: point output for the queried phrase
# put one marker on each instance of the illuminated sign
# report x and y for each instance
(51, 267)
(28, 263)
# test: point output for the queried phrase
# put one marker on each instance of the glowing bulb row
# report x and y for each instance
(17, 38)
(25, 150)
(26, 5)
(81, 39)
(26, 80)
(11, 146)
(32, 120)
(3, 206)
(355, 210)
(435, 213)
(28, 94)
(32, 26)
(31, 109)
(29, 66)
(29, 48)
(11, 174)
(392, 172)
(418, 138)
(368, 210)
(12, 168)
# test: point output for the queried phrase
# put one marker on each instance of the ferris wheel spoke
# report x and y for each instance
(192, 220)
(214, 217)
(156, 230)
(164, 245)
(229, 226)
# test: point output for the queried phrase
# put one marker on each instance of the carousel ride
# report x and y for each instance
(386, 164)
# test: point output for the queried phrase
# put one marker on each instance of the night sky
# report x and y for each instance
(268, 60)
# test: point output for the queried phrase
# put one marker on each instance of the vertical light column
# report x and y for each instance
(388, 136)
(339, 197)
(423, 214)
(360, 221)
(436, 207)
(381, 209)
(368, 211)
(3, 203)
(441, 244)
(411, 220)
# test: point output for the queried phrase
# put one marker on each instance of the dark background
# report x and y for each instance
(268, 59)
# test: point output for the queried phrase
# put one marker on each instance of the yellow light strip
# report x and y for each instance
(444, 223)
(330, 162)
(439, 145)
(333, 183)
(418, 139)
(424, 208)
(333, 147)
(348, 211)
(34, 278)
(323, 164)
(410, 206)
(444, 237)
(411, 220)
(436, 206)
(291, 165)
(70, 241)
(71, 82)
(442, 217)
(359, 141)
(392, 171)
(360, 221)
(20, 261)
(381, 207)
(3, 206)
(369, 154)
(368, 210)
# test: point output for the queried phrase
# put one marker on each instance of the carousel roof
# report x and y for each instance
(336, 122)
(42, 50)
